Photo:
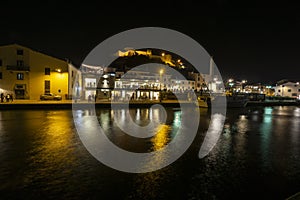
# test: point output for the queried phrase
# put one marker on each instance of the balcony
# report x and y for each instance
(17, 68)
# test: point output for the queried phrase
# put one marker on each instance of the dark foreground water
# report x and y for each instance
(257, 156)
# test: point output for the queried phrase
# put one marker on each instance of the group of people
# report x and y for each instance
(6, 98)
(92, 98)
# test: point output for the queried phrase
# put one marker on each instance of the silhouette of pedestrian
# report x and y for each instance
(11, 98)
(7, 98)
(2, 97)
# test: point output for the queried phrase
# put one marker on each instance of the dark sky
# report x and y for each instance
(248, 40)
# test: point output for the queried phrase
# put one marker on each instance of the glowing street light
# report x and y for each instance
(160, 77)
(230, 80)
(161, 71)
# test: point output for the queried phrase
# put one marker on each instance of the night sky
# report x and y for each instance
(259, 42)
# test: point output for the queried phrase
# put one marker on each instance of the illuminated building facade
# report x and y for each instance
(137, 85)
(287, 88)
(27, 74)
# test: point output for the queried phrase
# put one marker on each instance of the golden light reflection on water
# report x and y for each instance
(161, 137)
(150, 183)
(53, 147)
(57, 130)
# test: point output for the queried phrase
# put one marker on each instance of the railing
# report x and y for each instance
(17, 68)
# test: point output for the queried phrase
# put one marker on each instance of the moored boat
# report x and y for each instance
(203, 102)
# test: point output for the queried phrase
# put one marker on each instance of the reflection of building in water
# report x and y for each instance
(161, 137)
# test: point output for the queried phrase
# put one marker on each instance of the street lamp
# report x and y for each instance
(160, 80)
(243, 85)
(161, 71)
(160, 76)
(230, 84)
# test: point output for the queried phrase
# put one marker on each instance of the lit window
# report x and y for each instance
(20, 76)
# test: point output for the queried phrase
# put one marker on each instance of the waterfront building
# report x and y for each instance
(140, 85)
(197, 81)
(106, 84)
(90, 76)
(287, 88)
(259, 88)
(200, 84)
(137, 85)
(27, 74)
(212, 80)
(242, 86)
(213, 83)
(178, 85)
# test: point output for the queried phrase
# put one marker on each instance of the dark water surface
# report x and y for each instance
(257, 156)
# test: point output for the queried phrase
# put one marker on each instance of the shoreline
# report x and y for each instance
(68, 104)
(272, 103)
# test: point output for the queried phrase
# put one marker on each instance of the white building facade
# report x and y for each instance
(288, 89)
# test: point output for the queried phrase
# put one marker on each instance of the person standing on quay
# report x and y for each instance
(11, 98)
(7, 98)
(2, 97)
